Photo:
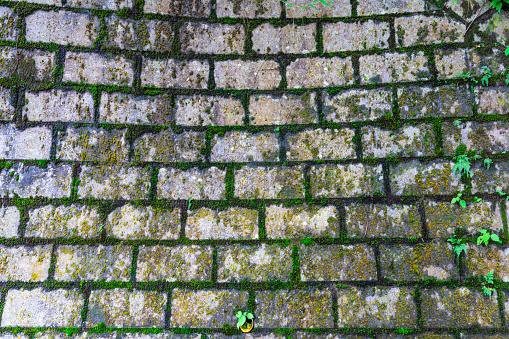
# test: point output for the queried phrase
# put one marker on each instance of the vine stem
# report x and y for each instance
(475, 17)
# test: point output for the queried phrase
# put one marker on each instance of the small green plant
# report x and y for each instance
(486, 236)
(462, 165)
(486, 74)
(488, 162)
(476, 199)
(458, 245)
(502, 194)
(243, 318)
(289, 4)
(189, 203)
(462, 202)
(457, 122)
(488, 279)
(497, 4)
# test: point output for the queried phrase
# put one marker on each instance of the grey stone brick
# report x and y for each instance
(480, 260)
(52, 182)
(114, 182)
(290, 39)
(287, 109)
(180, 263)
(489, 180)
(9, 221)
(240, 146)
(337, 263)
(31, 143)
(443, 218)
(377, 220)
(450, 62)
(416, 178)
(458, 307)
(377, 7)
(113, 5)
(492, 137)
(338, 8)
(410, 140)
(420, 29)
(319, 72)
(301, 221)
(92, 144)
(24, 263)
(6, 107)
(319, 144)
(93, 68)
(104, 263)
(357, 105)
(62, 27)
(494, 100)
(131, 222)
(394, 67)
(194, 183)
(254, 263)
(31, 66)
(200, 110)
(8, 19)
(36, 308)
(204, 38)
(311, 308)
(63, 222)
(484, 336)
(168, 146)
(310, 335)
(495, 61)
(468, 11)
(193, 8)
(443, 101)
(346, 180)
(355, 36)
(122, 308)
(59, 105)
(117, 108)
(240, 74)
(495, 26)
(174, 73)
(376, 307)
(233, 223)
(162, 335)
(269, 182)
(248, 9)
(143, 35)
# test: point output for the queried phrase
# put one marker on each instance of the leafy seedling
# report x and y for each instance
(476, 199)
(457, 122)
(462, 203)
(502, 194)
(189, 203)
(462, 165)
(487, 163)
(486, 75)
(477, 156)
(243, 318)
(458, 245)
(486, 236)
(488, 279)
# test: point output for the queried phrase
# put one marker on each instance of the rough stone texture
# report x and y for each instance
(205, 308)
(450, 62)
(180, 263)
(490, 180)
(131, 222)
(59, 105)
(204, 38)
(254, 263)
(420, 29)
(62, 27)
(443, 218)
(114, 182)
(355, 36)
(6, 107)
(199, 110)
(337, 263)
(288, 109)
(443, 101)
(240, 74)
(116, 108)
(301, 221)
(368, 7)
(113, 5)
(341, 8)
(269, 182)
(290, 39)
(192, 8)
(144, 35)
(418, 262)
(376, 307)
(357, 105)
(378, 220)
(9, 221)
(168, 146)
(494, 100)
(346, 180)
(96, 69)
(63, 222)
(174, 73)
(122, 308)
(8, 29)
(31, 143)
(23, 263)
(243, 146)
(36, 308)
(91, 144)
(319, 72)
(295, 308)
(233, 223)
(492, 137)
(30, 65)
(104, 263)
(479, 260)
(25, 181)
(248, 9)
(319, 144)
(392, 67)
(191, 184)
(459, 307)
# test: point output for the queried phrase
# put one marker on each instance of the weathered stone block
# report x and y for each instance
(200, 110)
(9, 221)
(319, 144)
(290, 39)
(240, 74)
(319, 72)
(393, 67)
(204, 38)
(175, 73)
(191, 184)
(240, 146)
(269, 182)
(355, 36)
(24, 263)
(288, 109)
(59, 105)
(420, 29)
(233, 223)
(31, 143)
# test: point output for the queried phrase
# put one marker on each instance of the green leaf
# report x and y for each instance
(250, 316)
(487, 163)
(324, 2)
(463, 203)
(495, 238)
(238, 314)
